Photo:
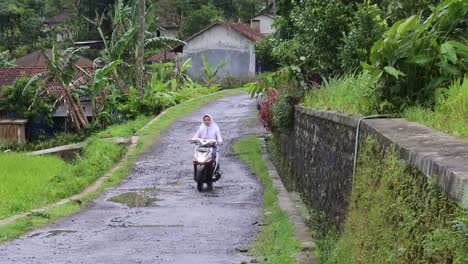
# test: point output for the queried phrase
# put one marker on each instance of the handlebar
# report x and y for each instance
(199, 141)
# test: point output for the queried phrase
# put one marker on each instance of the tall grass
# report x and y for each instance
(450, 113)
(27, 182)
(276, 239)
(126, 129)
(351, 94)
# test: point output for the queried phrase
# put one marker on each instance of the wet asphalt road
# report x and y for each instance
(173, 222)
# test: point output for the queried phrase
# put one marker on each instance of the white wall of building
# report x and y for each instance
(220, 43)
(266, 24)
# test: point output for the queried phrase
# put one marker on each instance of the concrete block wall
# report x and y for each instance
(319, 154)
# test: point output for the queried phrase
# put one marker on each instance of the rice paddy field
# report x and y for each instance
(28, 182)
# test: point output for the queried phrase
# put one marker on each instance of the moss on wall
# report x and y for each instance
(396, 215)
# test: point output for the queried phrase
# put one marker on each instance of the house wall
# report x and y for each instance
(266, 24)
(220, 43)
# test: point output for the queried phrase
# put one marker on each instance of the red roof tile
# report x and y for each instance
(245, 30)
(8, 75)
(242, 29)
(36, 59)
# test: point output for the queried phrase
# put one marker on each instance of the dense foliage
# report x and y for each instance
(33, 104)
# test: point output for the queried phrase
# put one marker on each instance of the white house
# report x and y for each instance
(222, 41)
(263, 23)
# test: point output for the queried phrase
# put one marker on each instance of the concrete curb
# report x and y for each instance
(302, 234)
(90, 189)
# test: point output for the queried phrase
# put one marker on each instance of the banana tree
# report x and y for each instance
(209, 73)
(96, 89)
(62, 69)
(4, 61)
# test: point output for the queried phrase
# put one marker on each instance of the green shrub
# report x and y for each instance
(399, 9)
(450, 113)
(352, 94)
(319, 27)
(283, 114)
(366, 27)
(263, 53)
(20, 51)
(417, 56)
(31, 104)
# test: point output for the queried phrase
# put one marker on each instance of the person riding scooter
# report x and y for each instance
(209, 130)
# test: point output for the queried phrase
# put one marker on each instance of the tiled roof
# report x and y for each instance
(8, 75)
(36, 59)
(164, 55)
(243, 29)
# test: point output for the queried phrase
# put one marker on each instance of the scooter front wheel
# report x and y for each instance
(200, 177)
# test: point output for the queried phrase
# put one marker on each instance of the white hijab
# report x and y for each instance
(208, 132)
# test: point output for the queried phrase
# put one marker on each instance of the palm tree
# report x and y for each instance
(62, 69)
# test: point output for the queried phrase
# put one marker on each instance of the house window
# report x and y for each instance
(255, 24)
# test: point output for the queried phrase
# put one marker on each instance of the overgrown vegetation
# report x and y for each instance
(351, 94)
(450, 113)
(276, 240)
(396, 215)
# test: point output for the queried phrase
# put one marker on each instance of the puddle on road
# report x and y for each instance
(134, 199)
(52, 233)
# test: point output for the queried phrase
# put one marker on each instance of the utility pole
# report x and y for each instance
(141, 48)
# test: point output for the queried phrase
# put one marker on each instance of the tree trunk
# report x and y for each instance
(141, 48)
(75, 109)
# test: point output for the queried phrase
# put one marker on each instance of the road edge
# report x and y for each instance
(302, 233)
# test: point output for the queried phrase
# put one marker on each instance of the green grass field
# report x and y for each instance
(276, 240)
(27, 181)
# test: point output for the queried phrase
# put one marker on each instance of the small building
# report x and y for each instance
(263, 23)
(169, 19)
(31, 65)
(55, 23)
(222, 41)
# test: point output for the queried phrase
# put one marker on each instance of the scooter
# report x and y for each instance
(205, 163)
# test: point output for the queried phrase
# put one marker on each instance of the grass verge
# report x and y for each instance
(276, 240)
(147, 137)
